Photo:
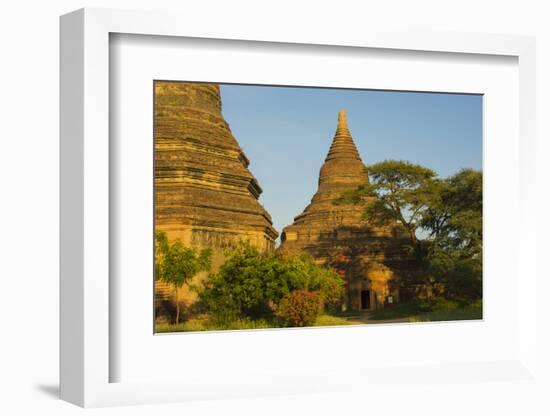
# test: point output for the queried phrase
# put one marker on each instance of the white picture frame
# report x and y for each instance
(85, 353)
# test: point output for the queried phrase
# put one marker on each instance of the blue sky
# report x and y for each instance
(286, 133)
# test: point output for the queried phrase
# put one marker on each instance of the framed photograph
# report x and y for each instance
(282, 213)
(395, 242)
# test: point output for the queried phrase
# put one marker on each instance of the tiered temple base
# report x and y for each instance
(373, 259)
(204, 193)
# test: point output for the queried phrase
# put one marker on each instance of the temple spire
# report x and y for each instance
(342, 146)
(375, 252)
(342, 122)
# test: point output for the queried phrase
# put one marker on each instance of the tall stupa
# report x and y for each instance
(373, 258)
(205, 195)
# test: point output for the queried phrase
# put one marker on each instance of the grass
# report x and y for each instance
(203, 323)
(467, 312)
(399, 311)
(331, 320)
(438, 309)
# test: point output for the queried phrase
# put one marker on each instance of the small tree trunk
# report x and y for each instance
(414, 241)
(177, 306)
(412, 236)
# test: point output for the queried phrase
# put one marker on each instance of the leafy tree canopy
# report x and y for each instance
(456, 234)
(399, 192)
(446, 212)
(454, 218)
(251, 283)
(176, 264)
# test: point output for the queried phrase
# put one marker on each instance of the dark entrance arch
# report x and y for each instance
(365, 299)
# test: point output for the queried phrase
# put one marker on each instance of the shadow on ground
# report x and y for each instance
(51, 390)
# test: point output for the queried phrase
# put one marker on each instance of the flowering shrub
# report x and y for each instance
(251, 284)
(299, 308)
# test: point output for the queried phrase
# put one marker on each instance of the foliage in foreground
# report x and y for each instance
(176, 264)
(299, 308)
(204, 323)
(251, 284)
(438, 309)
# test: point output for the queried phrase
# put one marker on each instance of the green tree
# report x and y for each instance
(399, 192)
(454, 221)
(446, 212)
(176, 264)
(251, 284)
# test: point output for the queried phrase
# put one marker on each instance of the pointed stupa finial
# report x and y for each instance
(342, 144)
(342, 126)
(342, 119)
(342, 171)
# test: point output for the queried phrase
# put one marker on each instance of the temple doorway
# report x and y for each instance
(365, 299)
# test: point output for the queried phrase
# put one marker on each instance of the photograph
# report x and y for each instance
(275, 208)
(300, 206)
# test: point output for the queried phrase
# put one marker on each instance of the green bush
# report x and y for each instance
(241, 287)
(251, 284)
(299, 308)
(464, 280)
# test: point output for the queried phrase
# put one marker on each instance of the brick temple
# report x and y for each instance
(372, 258)
(205, 194)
